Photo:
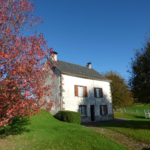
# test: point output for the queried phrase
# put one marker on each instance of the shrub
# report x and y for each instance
(69, 116)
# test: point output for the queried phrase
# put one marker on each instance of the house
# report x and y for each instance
(80, 89)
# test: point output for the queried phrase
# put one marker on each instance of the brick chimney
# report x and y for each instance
(53, 55)
(89, 65)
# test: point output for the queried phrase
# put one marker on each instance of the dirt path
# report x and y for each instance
(118, 137)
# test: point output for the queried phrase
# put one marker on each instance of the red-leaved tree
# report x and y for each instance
(22, 75)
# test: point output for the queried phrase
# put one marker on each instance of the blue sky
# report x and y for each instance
(103, 32)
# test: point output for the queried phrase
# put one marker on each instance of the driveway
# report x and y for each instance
(118, 137)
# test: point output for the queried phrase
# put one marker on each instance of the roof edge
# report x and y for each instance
(84, 76)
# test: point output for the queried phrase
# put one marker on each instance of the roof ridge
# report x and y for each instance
(74, 64)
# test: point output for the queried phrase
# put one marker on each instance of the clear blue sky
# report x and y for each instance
(103, 32)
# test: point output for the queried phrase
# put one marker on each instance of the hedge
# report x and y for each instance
(69, 116)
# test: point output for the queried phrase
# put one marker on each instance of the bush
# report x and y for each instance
(69, 116)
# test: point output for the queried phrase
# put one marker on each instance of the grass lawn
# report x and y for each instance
(139, 108)
(138, 128)
(44, 132)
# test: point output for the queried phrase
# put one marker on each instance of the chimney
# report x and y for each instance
(89, 65)
(53, 55)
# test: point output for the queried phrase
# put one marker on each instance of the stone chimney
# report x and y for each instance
(53, 55)
(89, 65)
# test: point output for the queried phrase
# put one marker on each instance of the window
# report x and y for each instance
(81, 91)
(82, 110)
(103, 109)
(98, 92)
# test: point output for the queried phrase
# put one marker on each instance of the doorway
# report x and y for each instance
(92, 113)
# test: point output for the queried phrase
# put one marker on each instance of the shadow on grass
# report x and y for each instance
(56, 117)
(16, 127)
(140, 117)
(134, 124)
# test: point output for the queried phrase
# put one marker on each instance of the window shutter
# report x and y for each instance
(101, 92)
(85, 110)
(106, 110)
(95, 92)
(76, 90)
(101, 109)
(85, 91)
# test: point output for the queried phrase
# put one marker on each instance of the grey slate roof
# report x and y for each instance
(78, 71)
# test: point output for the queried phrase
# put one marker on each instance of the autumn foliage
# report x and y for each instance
(22, 74)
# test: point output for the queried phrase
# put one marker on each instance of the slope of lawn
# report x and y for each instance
(140, 109)
(44, 132)
(138, 128)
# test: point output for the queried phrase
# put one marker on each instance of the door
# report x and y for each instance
(92, 113)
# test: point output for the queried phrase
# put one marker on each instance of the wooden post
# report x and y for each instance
(136, 112)
(130, 111)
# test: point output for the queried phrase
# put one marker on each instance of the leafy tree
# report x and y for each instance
(139, 81)
(22, 74)
(121, 96)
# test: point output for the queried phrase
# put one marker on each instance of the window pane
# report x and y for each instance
(97, 92)
(102, 109)
(79, 109)
(100, 93)
(82, 110)
(80, 90)
(105, 109)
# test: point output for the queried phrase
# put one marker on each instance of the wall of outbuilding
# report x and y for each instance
(72, 102)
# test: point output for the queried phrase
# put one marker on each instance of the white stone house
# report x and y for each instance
(80, 89)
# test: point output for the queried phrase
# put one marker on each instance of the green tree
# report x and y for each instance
(139, 81)
(121, 95)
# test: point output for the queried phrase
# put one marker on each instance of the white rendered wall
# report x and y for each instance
(72, 102)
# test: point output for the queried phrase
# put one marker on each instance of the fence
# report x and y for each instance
(144, 112)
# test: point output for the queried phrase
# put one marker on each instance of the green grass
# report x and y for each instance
(134, 108)
(129, 116)
(138, 128)
(44, 132)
